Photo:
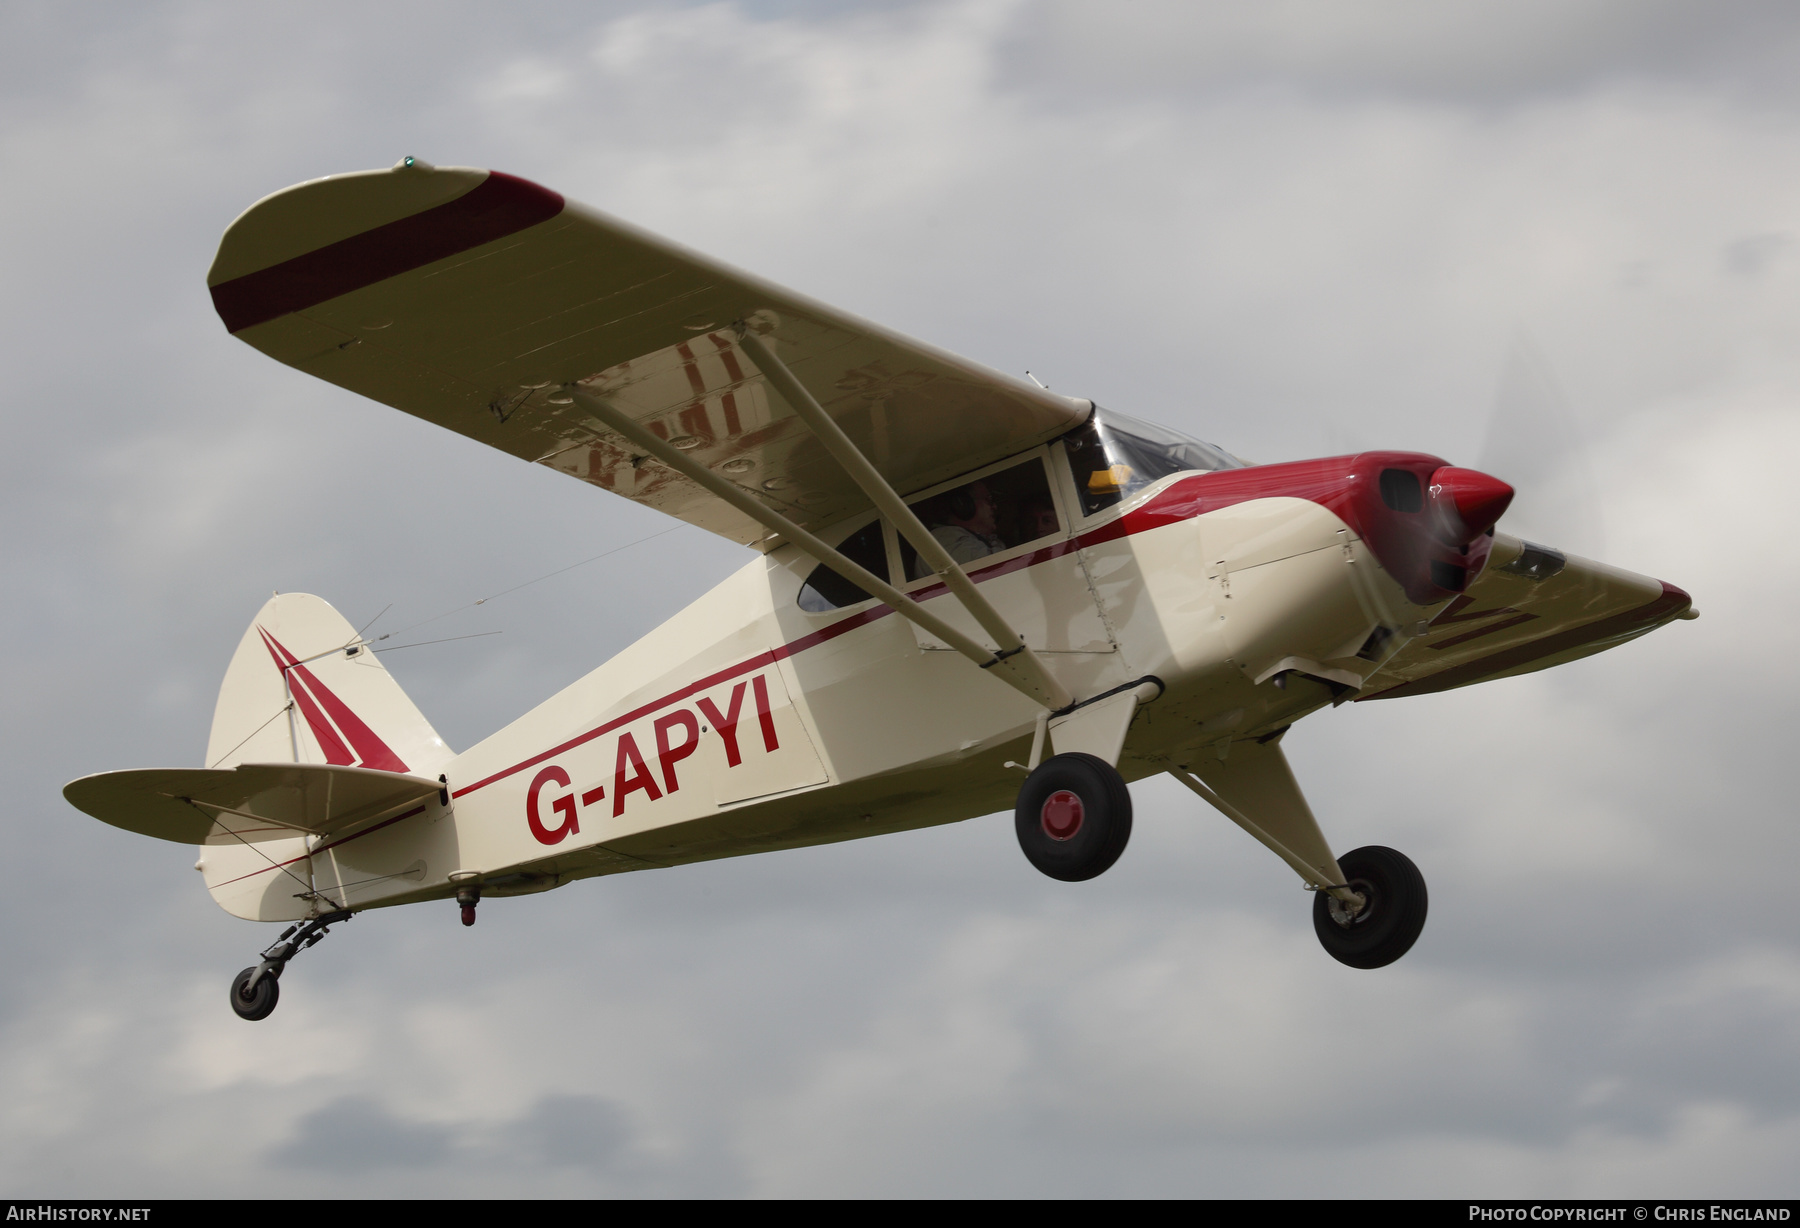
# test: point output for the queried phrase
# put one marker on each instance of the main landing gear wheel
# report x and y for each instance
(1073, 817)
(257, 1003)
(1389, 921)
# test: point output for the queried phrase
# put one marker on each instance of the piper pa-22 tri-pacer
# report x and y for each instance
(968, 592)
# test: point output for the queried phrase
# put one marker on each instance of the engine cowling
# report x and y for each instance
(1428, 523)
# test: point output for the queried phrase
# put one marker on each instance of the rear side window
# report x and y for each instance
(986, 516)
(826, 590)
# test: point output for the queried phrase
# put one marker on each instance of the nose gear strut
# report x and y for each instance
(255, 991)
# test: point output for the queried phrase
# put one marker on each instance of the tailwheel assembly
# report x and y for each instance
(1073, 817)
(1390, 918)
(255, 991)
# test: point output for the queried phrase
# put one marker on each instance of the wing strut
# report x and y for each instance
(1019, 657)
(1053, 697)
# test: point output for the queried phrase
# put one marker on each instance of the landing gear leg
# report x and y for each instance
(1370, 903)
(255, 991)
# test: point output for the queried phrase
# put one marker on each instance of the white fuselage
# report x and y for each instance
(746, 724)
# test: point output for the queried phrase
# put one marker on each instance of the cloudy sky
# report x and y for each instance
(1562, 238)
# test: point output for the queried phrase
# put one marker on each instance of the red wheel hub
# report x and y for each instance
(1061, 815)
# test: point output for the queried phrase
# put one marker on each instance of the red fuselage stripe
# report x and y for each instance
(1108, 532)
(1182, 500)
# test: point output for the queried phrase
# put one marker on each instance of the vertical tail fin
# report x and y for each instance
(303, 688)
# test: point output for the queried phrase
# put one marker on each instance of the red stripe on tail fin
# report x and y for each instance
(369, 747)
(330, 744)
(312, 695)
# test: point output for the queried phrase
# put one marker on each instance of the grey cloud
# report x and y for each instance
(354, 1134)
(1752, 254)
(357, 1135)
(1481, 54)
(587, 1131)
(1730, 1031)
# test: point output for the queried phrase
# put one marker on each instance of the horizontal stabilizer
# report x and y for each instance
(252, 802)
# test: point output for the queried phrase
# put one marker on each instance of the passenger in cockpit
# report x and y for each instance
(1039, 518)
(964, 523)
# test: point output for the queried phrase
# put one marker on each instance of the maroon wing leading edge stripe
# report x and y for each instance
(498, 206)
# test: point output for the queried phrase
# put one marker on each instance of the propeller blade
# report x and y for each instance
(1535, 444)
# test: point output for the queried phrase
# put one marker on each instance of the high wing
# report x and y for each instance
(1532, 607)
(250, 803)
(472, 298)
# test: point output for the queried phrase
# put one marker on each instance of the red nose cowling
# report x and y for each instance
(1468, 501)
(1426, 523)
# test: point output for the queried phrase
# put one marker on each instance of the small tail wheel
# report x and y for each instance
(1388, 923)
(258, 1003)
(1073, 817)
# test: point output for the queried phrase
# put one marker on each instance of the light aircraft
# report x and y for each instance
(968, 592)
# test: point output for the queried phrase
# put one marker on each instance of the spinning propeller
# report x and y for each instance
(1535, 443)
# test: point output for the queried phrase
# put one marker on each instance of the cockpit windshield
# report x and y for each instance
(1114, 456)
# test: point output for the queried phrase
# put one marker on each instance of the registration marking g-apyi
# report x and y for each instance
(677, 735)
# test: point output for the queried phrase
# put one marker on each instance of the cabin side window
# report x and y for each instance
(991, 514)
(1098, 481)
(825, 590)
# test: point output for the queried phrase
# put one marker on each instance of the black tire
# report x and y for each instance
(1388, 924)
(1073, 817)
(260, 1002)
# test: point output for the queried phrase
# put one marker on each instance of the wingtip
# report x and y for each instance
(1670, 593)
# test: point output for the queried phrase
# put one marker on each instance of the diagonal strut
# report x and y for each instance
(810, 545)
(1019, 656)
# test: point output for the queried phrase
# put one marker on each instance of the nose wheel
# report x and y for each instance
(1073, 817)
(255, 991)
(1392, 915)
